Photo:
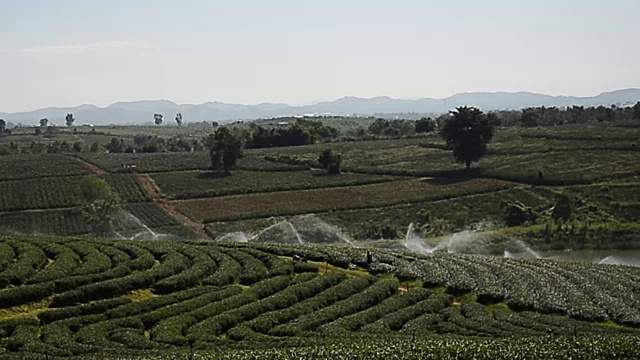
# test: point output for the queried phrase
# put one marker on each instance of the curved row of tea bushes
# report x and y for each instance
(28, 258)
(362, 318)
(228, 268)
(374, 294)
(201, 266)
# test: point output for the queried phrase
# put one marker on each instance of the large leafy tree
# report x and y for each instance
(225, 149)
(3, 125)
(100, 204)
(467, 131)
(44, 122)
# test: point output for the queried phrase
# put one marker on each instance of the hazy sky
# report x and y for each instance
(71, 52)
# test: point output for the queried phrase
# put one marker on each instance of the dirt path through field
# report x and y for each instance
(92, 167)
(151, 188)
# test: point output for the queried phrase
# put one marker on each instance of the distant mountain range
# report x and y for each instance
(139, 112)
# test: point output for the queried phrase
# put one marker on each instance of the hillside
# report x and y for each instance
(71, 297)
(465, 264)
(141, 112)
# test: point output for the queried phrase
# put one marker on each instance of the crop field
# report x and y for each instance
(67, 222)
(318, 200)
(565, 155)
(360, 224)
(61, 192)
(558, 167)
(40, 193)
(166, 162)
(154, 130)
(70, 222)
(188, 185)
(17, 167)
(148, 299)
(128, 188)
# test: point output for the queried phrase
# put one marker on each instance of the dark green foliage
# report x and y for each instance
(228, 271)
(473, 296)
(374, 294)
(64, 263)
(407, 319)
(29, 258)
(330, 161)
(96, 307)
(392, 128)
(201, 266)
(302, 267)
(188, 185)
(147, 306)
(563, 208)
(207, 326)
(425, 125)
(31, 166)
(69, 119)
(529, 118)
(517, 214)
(225, 150)
(25, 294)
(302, 132)
(388, 306)
(116, 145)
(253, 270)
(196, 304)
(467, 132)
(127, 187)
(171, 264)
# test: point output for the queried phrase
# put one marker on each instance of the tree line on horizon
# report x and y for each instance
(306, 131)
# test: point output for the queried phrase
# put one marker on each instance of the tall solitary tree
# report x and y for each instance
(44, 122)
(100, 204)
(3, 125)
(157, 118)
(330, 161)
(467, 132)
(69, 119)
(225, 149)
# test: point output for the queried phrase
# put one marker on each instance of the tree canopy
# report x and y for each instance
(225, 149)
(330, 161)
(467, 132)
(69, 119)
(100, 203)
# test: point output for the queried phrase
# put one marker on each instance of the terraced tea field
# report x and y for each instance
(83, 297)
(197, 184)
(17, 167)
(50, 203)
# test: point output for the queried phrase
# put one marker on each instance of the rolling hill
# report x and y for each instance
(138, 112)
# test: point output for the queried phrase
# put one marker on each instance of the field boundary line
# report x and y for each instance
(95, 169)
(150, 187)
